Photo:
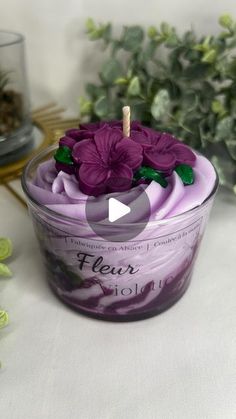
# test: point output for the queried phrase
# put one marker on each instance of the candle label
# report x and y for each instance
(117, 270)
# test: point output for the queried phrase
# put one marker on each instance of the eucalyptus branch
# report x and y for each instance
(190, 90)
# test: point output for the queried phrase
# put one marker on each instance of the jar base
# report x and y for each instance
(17, 146)
(126, 317)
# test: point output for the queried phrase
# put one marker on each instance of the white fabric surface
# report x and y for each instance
(57, 364)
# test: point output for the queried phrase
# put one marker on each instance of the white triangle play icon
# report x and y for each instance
(116, 210)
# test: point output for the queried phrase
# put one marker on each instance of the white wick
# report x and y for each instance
(126, 121)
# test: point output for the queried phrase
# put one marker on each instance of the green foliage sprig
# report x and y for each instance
(184, 84)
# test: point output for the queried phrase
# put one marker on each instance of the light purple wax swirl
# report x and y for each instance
(60, 193)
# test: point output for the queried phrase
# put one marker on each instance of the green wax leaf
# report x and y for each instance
(4, 270)
(151, 174)
(63, 155)
(186, 174)
(3, 318)
(5, 248)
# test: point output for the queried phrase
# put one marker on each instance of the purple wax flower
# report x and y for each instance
(138, 132)
(67, 141)
(106, 162)
(166, 152)
(85, 131)
(79, 134)
(161, 151)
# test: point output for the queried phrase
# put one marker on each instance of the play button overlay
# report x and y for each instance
(119, 216)
(116, 209)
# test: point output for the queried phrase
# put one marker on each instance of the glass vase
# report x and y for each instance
(15, 122)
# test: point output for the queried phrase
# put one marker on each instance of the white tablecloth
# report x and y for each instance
(57, 364)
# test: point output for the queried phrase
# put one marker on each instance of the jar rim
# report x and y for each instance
(58, 215)
(17, 38)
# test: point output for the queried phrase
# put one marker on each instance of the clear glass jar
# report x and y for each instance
(15, 122)
(121, 280)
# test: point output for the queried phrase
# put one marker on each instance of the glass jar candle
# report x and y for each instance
(119, 280)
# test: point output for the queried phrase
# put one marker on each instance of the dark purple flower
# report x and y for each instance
(85, 131)
(166, 152)
(142, 135)
(161, 151)
(106, 162)
(138, 132)
(67, 141)
(79, 134)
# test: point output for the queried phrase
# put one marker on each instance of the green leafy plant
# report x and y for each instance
(183, 84)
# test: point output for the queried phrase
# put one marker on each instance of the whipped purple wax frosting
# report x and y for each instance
(58, 186)
(60, 192)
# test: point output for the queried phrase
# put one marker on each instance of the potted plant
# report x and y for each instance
(11, 107)
(15, 123)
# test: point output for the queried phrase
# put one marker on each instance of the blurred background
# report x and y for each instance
(60, 57)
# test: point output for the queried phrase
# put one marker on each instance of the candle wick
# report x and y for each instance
(126, 121)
